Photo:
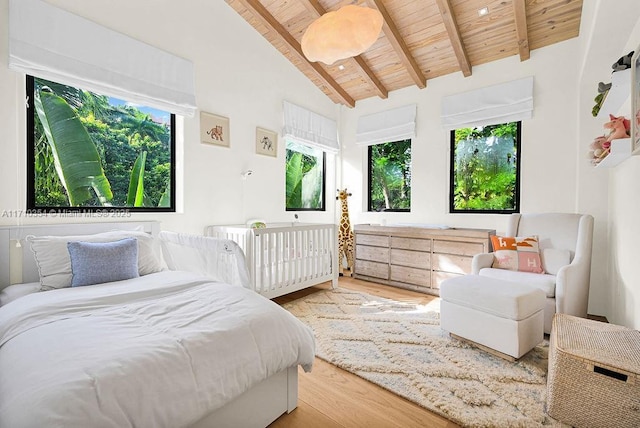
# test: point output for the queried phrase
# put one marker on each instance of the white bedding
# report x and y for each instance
(162, 350)
(12, 292)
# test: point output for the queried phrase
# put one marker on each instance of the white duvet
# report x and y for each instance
(162, 350)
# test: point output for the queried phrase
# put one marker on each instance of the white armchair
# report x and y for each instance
(561, 237)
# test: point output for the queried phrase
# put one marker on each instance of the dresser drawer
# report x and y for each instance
(451, 263)
(411, 258)
(416, 258)
(460, 248)
(375, 240)
(411, 244)
(439, 277)
(376, 254)
(411, 275)
(373, 269)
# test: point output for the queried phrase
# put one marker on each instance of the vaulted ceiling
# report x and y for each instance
(420, 39)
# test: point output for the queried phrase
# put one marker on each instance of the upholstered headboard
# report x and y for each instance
(16, 259)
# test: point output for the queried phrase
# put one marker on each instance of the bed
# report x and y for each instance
(285, 257)
(170, 348)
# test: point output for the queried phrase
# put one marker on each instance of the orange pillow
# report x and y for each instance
(516, 253)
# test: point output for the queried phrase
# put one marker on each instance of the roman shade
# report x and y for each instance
(53, 44)
(310, 128)
(387, 126)
(506, 102)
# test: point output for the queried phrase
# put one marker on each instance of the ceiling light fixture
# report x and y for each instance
(341, 67)
(484, 11)
(344, 33)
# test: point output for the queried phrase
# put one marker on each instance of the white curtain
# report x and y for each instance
(506, 102)
(310, 128)
(53, 44)
(387, 126)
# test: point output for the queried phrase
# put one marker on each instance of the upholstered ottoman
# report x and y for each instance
(493, 313)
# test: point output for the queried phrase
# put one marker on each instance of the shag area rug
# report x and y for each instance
(401, 347)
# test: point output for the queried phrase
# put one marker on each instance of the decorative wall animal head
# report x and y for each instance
(623, 63)
(619, 126)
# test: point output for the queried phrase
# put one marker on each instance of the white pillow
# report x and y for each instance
(553, 259)
(54, 263)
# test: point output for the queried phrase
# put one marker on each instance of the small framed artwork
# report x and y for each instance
(635, 102)
(266, 142)
(214, 129)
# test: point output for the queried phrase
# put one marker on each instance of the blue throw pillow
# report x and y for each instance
(98, 262)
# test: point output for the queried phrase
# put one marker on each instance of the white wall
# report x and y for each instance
(592, 189)
(238, 75)
(614, 34)
(548, 141)
(551, 152)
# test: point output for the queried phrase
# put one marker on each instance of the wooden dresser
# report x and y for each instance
(416, 258)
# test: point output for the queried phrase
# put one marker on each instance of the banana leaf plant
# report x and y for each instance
(135, 196)
(75, 155)
(294, 181)
(165, 199)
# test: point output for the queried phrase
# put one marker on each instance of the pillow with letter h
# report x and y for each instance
(517, 253)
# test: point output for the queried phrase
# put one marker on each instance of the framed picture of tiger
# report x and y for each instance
(214, 129)
(266, 142)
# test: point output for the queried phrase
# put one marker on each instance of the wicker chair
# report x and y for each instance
(567, 286)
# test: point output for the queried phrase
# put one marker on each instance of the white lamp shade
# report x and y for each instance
(344, 33)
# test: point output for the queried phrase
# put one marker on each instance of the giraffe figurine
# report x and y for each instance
(345, 234)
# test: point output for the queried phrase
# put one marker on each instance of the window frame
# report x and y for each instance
(323, 200)
(516, 209)
(115, 210)
(370, 180)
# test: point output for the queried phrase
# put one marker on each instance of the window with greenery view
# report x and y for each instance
(390, 176)
(485, 169)
(305, 177)
(91, 152)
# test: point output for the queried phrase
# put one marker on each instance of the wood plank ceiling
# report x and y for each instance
(420, 39)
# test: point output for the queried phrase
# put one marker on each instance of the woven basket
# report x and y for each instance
(594, 373)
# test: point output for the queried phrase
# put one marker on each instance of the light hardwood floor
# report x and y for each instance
(330, 397)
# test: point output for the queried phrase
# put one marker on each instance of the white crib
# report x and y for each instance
(283, 258)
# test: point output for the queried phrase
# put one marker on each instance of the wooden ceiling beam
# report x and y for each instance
(450, 24)
(314, 6)
(398, 44)
(264, 16)
(358, 62)
(370, 77)
(520, 12)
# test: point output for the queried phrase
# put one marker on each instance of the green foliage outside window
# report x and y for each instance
(90, 151)
(485, 169)
(390, 176)
(305, 170)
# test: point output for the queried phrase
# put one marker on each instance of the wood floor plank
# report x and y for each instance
(305, 416)
(361, 403)
(338, 398)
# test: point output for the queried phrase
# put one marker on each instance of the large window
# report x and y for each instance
(390, 176)
(91, 152)
(305, 181)
(485, 169)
